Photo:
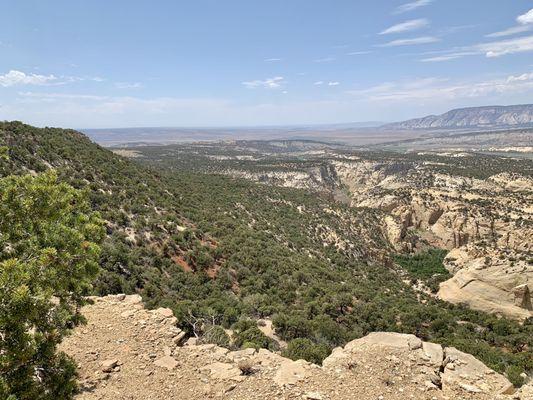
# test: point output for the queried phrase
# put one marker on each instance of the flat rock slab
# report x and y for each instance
(388, 339)
(167, 362)
(224, 371)
(291, 372)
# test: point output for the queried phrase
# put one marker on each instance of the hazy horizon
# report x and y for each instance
(239, 64)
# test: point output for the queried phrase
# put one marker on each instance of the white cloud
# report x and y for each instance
(272, 59)
(85, 110)
(14, 77)
(406, 26)
(511, 31)
(443, 89)
(78, 110)
(358, 53)
(413, 41)
(128, 85)
(330, 83)
(449, 56)
(427, 95)
(71, 79)
(324, 60)
(412, 6)
(520, 78)
(270, 83)
(504, 47)
(526, 24)
(489, 49)
(526, 18)
(61, 96)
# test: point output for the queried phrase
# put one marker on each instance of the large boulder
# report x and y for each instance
(388, 339)
(467, 373)
(433, 366)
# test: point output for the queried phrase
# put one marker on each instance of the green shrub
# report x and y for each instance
(216, 335)
(247, 334)
(48, 258)
(305, 349)
(513, 374)
(426, 266)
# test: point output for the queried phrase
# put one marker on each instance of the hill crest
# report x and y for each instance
(472, 117)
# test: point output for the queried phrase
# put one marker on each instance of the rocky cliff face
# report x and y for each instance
(488, 280)
(487, 221)
(128, 352)
(490, 116)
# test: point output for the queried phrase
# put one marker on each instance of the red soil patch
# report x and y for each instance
(182, 263)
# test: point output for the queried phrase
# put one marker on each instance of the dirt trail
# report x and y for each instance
(127, 352)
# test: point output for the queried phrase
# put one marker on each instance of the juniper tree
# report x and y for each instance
(48, 258)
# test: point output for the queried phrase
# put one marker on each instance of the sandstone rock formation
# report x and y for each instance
(145, 363)
(447, 369)
(488, 221)
(486, 224)
(483, 280)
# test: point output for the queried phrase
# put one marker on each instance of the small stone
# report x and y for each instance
(166, 362)
(108, 365)
(127, 313)
(178, 339)
(469, 388)
(164, 312)
(230, 388)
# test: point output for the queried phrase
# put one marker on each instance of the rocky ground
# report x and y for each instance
(127, 352)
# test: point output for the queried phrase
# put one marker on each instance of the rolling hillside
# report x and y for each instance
(225, 252)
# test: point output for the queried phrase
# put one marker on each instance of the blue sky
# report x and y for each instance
(123, 63)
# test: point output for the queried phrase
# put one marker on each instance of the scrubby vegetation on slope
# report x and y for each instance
(217, 250)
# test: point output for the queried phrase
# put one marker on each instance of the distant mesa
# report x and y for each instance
(473, 117)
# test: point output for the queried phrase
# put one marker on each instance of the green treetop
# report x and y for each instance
(48, 257)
